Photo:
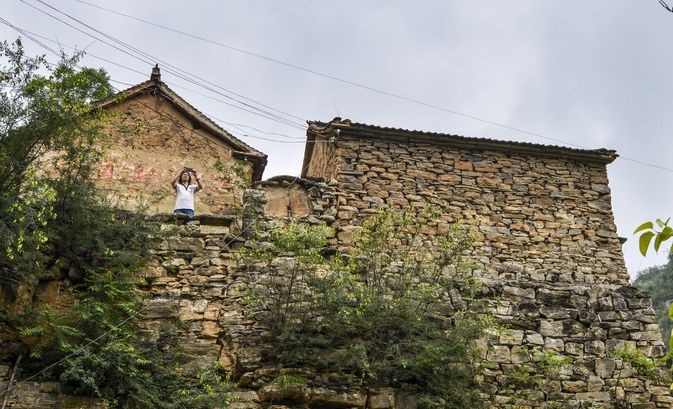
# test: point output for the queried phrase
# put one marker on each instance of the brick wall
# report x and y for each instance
(150, 141)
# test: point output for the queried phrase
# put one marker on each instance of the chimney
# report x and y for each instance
(156, 74)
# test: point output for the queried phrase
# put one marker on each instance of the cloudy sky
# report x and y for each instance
(575, 73)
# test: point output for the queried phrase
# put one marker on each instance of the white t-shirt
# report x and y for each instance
(184, 196)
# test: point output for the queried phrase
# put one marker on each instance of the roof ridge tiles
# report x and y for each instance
(367, 131)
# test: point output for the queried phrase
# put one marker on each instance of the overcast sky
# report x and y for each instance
(591, 74)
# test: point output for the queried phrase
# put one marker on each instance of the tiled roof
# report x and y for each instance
(365, 131)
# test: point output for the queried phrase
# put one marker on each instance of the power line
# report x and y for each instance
(88, 54)
(163, 62)
(334, 78)
(175, 70)
(27, 35)
(633, 160)
(176, 86)
(230, 123)
(136, 312)
(161, 114)
(359, 85)
(261, 131)
(246, 134)
(147, 58)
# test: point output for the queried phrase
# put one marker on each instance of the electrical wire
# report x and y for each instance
(126, 45)
(22, 32)
(140, 310)
(148, 58)
(236, 125)
(626, 158)
(244, 133)
(360, 85)
(172, 69)
(334, 78)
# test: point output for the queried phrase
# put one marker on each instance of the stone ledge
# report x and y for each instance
(203, 219)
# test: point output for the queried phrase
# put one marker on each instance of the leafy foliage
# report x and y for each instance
(51, 209)
(528, 379)
(660, 232)
(658, 282)
(644, 365)
(46, 122)
(389, 313)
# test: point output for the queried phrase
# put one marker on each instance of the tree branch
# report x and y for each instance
(666, 6)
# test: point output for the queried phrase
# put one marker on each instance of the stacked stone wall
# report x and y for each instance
(199, 284)
(40, 395)
(544, 306)
(550, 217)
(548, 255)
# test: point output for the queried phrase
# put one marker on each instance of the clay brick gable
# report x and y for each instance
(154, 133)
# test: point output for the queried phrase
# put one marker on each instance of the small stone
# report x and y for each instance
(551, 328)
(199, 261)
(520, 354)
(210, 329)
(535, 339)
(591, 397)
(383, 398)
(554, 344)
(500, 353)
(594, 384)
(322, 397)
(605, 367)
(511, 337)
(463, 166)
(574, 386)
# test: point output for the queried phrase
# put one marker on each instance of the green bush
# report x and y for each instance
(390, 312)
(50, 142)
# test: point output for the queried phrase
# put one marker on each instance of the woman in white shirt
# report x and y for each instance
(184, 191)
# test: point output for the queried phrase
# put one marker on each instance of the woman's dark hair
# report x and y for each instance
(188, 174)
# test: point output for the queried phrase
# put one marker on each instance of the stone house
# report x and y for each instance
(547, 246)
(543, 211)
(154, 133)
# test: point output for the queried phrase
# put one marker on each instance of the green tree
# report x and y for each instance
(658, 282)
(51, 138)
(390, 312)
(655, 233)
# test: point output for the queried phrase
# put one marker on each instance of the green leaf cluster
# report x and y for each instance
(390, 312)
(661, 232)
(658, 282)
(644, 365)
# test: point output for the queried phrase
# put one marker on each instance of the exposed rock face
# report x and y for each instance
(42, 395)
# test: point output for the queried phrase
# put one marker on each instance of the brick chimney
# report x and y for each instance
(156, 74)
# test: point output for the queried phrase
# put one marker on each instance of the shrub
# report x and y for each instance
(50, 141)
(391, 312)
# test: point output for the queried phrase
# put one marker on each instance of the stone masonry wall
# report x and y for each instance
(199, 284)
(194, 284)
(41, 395)
(552, 218)
(548, 254)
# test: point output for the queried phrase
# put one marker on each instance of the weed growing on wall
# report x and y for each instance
(390, 312)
